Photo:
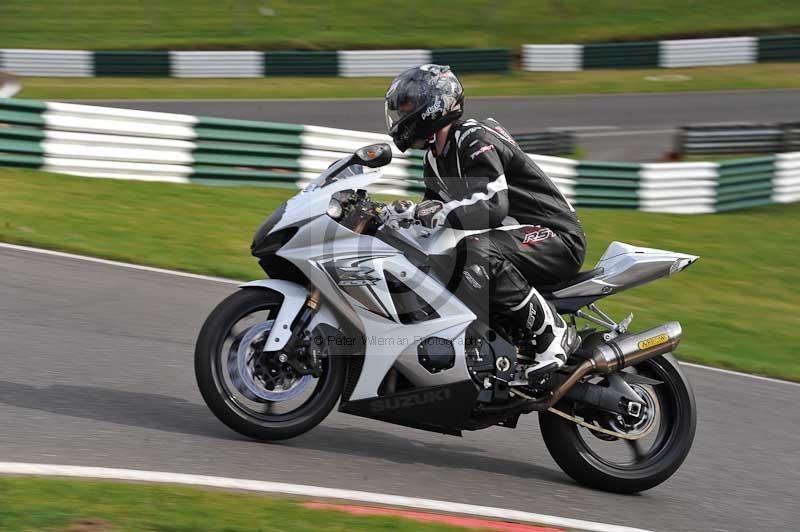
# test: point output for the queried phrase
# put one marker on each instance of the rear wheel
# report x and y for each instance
(260, 395)
(661, 440)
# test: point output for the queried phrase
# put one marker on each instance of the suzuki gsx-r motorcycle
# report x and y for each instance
(358, 312)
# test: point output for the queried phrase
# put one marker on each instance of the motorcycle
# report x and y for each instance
(357, 312)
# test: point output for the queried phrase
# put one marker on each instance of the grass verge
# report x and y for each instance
(738, 304)
(37, 504)
(739, 77)
(316, 24)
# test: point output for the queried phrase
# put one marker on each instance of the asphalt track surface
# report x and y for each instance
(97, 371)
(620, 127)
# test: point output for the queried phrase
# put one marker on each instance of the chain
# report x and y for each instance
(601, 430)
(589, 426)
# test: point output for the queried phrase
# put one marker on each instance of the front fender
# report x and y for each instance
(294, 297)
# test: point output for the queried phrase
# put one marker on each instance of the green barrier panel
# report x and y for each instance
(261, 162)
(744, 204)
(21, 133)
(237, 148)
(26, 161)
(607, 203)
(416, 186)
(19, 117)
(21, 146)
(27, 105)
(734, 180)
(779, 48)
(301, 63)
(607, 183)
(249, 125)
(204, 133)
(584, 192)
(415, 173)
(744, 191)
(465, 60)
(131, 64)
(745, 183)
(602, 170)
(621, 55)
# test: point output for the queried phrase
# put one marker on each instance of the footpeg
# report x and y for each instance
(541, 369)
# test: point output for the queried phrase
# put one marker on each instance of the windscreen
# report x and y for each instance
(326, 179)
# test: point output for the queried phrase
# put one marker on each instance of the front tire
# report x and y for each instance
(570, 445)
(251, 416)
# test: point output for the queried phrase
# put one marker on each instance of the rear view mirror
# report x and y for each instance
(374, 155)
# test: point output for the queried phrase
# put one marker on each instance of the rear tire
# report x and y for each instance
(573, 455)
(224, 404)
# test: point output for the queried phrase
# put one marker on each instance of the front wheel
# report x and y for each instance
(658, 444)
(260, 394)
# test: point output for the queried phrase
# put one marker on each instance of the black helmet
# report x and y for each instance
(421, 101)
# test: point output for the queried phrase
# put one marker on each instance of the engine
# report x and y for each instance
(491, 361)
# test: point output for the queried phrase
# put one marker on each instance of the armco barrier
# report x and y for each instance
(684, 188)
(131, 64)
(127, 144)
(60, 63)
(357, 63)
(551, 57)
(791, 136)
(552, 142)
(663, 54)
(745, 183)
(246, 64)
(217, 64)
(779, 48)
(745, 138)
(786, 183)
(699, 52)
(353, 63)
(301, 63)
(464, 61)
(621, 55)
(729, 138)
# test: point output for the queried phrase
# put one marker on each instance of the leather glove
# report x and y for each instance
(398, 212)
(429, 213)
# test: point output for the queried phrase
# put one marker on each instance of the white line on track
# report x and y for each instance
(740, 374)
(231, 281)
(16, 468)
(116, 263)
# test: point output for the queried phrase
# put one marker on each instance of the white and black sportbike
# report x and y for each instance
(357, 312)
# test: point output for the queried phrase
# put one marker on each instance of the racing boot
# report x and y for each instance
(554, 339)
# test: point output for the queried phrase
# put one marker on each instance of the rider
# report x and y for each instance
(476, 177)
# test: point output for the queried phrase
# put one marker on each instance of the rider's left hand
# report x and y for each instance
(429, 213)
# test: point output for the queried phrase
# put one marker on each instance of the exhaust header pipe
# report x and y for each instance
(630, 349)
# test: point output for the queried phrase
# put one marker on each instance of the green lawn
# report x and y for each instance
(36, 504)
(319, 24)
(739, 77)
(738, 304)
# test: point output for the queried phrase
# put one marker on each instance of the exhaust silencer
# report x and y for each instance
(630, 349)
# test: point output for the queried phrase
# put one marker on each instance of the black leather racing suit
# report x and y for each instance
(487, 182)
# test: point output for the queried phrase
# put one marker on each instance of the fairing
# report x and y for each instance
(625, 266)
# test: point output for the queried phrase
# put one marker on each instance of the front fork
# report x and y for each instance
(300, 342)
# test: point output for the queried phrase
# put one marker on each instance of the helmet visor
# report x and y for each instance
(395, 115)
